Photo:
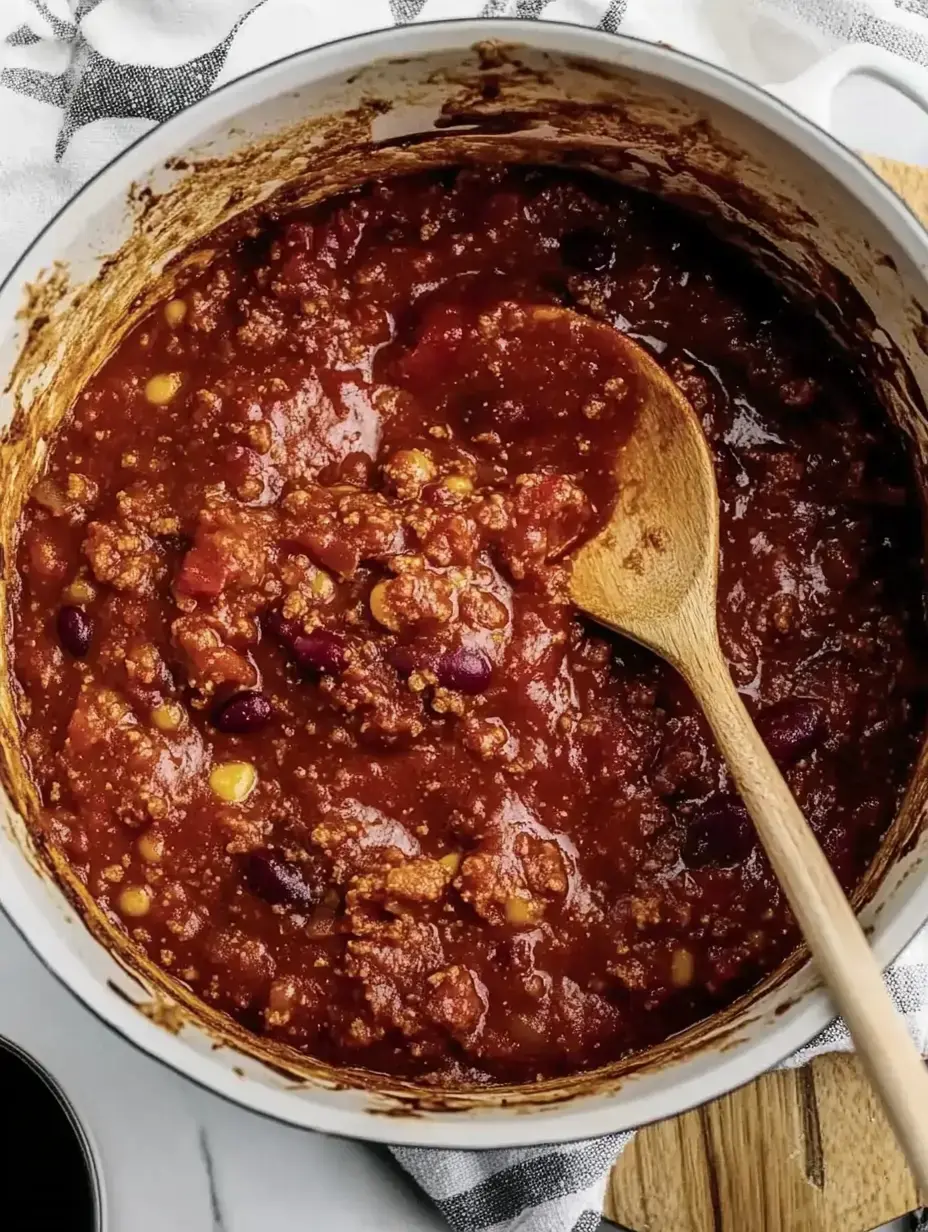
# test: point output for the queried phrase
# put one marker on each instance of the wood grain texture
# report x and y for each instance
(835, 940)
(796, 1151)
(911, 183)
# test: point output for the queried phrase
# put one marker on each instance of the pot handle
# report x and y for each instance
(812, 92)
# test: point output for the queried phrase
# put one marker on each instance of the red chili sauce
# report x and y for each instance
(309, 711)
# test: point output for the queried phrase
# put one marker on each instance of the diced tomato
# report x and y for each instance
(330, 549)
(204, 571)
(442, 332)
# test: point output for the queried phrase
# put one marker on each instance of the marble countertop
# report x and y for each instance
(174, 1156)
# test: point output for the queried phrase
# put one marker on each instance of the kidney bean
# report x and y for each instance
(791, 728)
(75, 630)
(281, 882)
(719, 835)
(465, 670)
(588, 248)
(319, 651)
(284, 630)
(355, 468)
(242, 713)
(403, 658)
(177, 544)
(412, 658)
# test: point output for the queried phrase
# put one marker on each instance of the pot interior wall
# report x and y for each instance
(296, 146)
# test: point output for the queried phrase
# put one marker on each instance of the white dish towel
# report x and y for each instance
(80, 79)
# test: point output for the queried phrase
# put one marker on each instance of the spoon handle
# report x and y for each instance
(832, 933)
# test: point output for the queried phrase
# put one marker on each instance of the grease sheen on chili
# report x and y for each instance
(308, 710)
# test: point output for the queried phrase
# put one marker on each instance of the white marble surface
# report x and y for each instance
(150, 1126)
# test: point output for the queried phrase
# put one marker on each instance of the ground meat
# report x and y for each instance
(417, 597)
(229, 551)
(366, 691)
(421, 881)
(149, 507)
(341, 528)
(390, 969)
(207, 301)
(444, 539)
(457, 1000)
(543, 864)
(123, 558)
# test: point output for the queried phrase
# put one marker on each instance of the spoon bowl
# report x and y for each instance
(657, 557)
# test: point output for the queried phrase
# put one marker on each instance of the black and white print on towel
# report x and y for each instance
(81, 79)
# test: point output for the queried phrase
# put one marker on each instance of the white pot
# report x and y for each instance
(672, 123)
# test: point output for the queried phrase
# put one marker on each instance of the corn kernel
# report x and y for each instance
(522, 911)
(134, 901)
(458, 485)
(408, 470)
(322, 585)
(174, 311)
(151, 846)
(452, 862)
(161, 388)
(80, 591)
(380, 606)
(419, 464)
(233, 781)
(260, 436)
(682, 966)
(168, 717)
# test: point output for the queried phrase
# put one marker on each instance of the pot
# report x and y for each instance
(44, 1110)
(809, 210)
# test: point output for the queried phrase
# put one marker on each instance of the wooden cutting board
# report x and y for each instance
(797, 1151)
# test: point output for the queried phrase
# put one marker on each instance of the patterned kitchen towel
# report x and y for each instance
(80, 79)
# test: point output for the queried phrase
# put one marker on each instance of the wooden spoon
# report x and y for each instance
(651, 574)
